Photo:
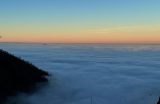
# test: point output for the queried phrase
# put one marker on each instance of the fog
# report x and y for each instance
(92, 73)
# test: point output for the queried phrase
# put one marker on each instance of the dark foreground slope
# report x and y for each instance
(17, 75)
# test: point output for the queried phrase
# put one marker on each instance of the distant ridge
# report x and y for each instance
(17, 75)
(49, 43)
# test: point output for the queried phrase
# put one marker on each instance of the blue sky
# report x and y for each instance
(75, 15)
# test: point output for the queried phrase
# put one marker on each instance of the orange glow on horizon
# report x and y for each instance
(100, 39)
(112, 35)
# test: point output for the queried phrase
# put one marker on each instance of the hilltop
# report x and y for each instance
(18, 75)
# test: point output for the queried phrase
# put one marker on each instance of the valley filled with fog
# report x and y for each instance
(92, 73)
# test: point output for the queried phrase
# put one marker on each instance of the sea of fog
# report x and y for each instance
(92, 73)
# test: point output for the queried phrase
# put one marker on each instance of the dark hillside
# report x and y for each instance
(17, 75)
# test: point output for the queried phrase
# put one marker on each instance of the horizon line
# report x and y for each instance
(45, 43)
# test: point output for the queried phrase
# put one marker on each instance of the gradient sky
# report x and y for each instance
(80, 21)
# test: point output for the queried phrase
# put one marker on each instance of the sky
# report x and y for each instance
(80, 21)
